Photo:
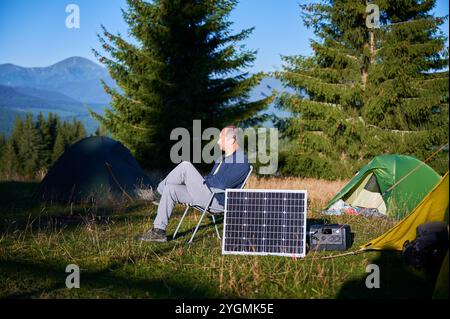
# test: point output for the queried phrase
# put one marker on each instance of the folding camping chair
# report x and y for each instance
(207, 209)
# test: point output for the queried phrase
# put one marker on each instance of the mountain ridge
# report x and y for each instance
(76, 77)
(70, 86)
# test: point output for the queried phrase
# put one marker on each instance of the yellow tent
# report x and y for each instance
(433, 207)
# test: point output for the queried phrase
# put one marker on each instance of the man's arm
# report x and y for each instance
(229, 176)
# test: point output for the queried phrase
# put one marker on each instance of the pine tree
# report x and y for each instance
(52, 123)
(61, 141)
(3, 149)
(67, 133)
(10, 160)
(80, 131)
(101, 131)
(74, 131)
(23, 152)
(44, 129)
(34, 145)
(29, 148)
(3, 142)
(365, 91)
(186, 65)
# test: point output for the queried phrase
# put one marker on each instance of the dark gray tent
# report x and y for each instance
(94, 169)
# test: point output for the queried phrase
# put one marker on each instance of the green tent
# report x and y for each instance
(95, 169)
(371, 186)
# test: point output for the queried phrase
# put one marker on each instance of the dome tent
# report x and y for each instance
(96, 169)
(372, 187)
(432, 208)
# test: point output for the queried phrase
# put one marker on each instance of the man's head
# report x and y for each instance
(228, 139)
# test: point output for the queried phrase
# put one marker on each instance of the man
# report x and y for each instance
(184, 184)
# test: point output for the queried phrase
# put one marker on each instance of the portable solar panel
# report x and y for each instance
(265, 222)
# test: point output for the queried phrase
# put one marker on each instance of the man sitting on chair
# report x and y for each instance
(184, 184)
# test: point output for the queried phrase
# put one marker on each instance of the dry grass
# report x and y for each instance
(319, 191)
(37, 242)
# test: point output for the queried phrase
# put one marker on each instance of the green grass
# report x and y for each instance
(38, 241)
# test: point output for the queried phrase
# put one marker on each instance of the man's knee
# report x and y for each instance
(186, 166)
(170, 190)
(186, 163)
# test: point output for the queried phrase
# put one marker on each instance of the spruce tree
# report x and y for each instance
(101, 131)
(52, 123)
(3, 148)
(8, 161)
(30, 147)
(61, 141)
(67, 133)
(44, 129)
(80, 131)
(11, 160)
(3, 142)
(35, 145)
(23, 155)
(185, 65)
(365, 91)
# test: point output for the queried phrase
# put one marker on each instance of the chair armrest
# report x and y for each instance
(217, 190)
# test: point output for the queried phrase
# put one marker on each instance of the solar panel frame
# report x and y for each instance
(265, 253)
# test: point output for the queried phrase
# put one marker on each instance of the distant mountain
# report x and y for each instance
(75, 77)
(69, 87)
(45, 94)
(32, 99)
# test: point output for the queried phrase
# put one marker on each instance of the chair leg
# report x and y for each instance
(181, 221)
(215, 225)
(198, 225)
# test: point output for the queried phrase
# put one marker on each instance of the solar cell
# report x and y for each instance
(265, 222)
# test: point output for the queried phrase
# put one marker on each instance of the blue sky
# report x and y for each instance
(33, 33)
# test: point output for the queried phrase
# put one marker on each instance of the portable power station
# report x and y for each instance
(330, 237)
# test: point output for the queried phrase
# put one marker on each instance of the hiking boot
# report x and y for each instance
(155, 234)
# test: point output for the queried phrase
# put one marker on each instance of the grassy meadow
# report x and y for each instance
(38, 241)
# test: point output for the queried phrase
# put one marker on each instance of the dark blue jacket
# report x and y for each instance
(231, 174)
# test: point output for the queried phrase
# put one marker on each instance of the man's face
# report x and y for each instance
(225, 142)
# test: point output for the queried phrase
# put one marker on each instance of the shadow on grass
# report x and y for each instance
(17, 196)
(49, 280)
(199, 234)
(397, 281)
(19, 209)
(58, 218)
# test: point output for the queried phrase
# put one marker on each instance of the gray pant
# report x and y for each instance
(183, 184)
